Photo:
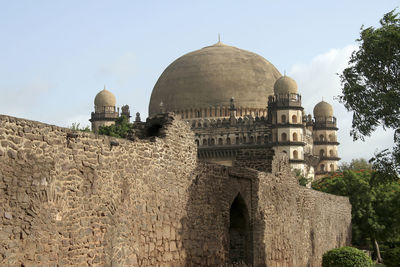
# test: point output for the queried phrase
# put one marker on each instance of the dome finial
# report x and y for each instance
(284, 72)
(104, 87)
(219, 38)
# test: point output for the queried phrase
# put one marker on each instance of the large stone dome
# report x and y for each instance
(210, 77)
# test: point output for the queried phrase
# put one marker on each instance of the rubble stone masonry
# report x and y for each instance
(76, 199)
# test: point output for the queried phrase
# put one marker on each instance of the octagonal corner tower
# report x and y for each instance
(201, 83)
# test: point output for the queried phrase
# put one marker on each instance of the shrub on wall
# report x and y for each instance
(392, 257)
(346, 257)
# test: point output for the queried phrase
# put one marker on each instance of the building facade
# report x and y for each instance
(236, 103)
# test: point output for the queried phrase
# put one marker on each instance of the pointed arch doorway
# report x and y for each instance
(240, 237)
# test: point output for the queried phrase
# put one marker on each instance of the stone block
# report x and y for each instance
(8, 215)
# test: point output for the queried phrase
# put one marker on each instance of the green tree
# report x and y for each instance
(355, 165)
(375, 215)
(371, 85)
(121, 128)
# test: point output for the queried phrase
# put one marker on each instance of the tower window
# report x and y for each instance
(219, 141)
(294, 119)
(283, 137)
(322, 167)
(295, 137)
(332, 168)
(321, 153)
(283, 119)
(321, 137)
(228, 141)
(295, 154)
(204, 142)
(331, 153)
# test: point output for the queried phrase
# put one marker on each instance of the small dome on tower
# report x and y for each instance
(105, 99)
(285, 85)
(323, 109)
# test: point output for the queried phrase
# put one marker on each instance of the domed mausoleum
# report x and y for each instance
(241, 109)
(201, 83)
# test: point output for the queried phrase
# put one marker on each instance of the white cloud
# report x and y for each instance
(319, 79)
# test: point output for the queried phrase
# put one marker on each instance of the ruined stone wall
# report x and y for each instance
(82, 201)
(300, 224)
(71, 199)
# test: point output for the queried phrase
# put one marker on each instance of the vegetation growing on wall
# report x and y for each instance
(120, 129)
(76, 126)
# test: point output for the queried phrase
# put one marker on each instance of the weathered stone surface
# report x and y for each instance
(88, 204)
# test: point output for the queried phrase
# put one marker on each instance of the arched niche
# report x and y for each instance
(240, 237)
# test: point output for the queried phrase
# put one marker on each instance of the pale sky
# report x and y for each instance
(55, 56)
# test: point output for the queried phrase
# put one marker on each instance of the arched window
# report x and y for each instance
(321, 153)
(220, 141)
(331, 138)
(283, 137)
(212, 141)
(228, 141)
(332, 168)
(251, 139)
(294, 119)
(321, 137)
(283, 119)
(331, 153)
(295, 154)
(204, 142)
(197, 142)
(198, 114)
(244, 139)
(237, 140)
(295, 137)
(258, 139)
(322, 167)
